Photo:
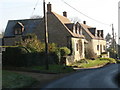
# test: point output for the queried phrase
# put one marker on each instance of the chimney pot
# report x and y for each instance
(102, 35)
(49, 7)
(65, 14)
(84, 22)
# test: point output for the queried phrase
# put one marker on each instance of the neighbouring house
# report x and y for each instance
(61, 30)
(95, 39)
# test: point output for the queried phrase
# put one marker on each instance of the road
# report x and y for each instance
(93, 78)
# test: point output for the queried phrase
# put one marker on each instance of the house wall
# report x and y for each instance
(78, 54)
(57, 32)
(9, 41)
(101, 44)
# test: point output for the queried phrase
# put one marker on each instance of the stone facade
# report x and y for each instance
(95, 39)
(58, 32)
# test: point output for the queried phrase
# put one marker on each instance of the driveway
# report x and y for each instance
(93, 78)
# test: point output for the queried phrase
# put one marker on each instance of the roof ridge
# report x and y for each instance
(62, 18)
(63, 23)
(26, 19)
(87, 30)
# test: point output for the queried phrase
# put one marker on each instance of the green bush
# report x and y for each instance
(82, 61)
(89, 53)
(31, 42)
(64, 51)
(52, 47)
(111, 60)
(118, 61)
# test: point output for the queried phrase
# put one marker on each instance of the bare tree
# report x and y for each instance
(75, 19)
(35, 17)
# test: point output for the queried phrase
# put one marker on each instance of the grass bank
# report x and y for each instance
(15, 80)
(85, 63)
(53, 69)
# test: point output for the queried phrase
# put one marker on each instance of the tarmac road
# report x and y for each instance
(92, 78)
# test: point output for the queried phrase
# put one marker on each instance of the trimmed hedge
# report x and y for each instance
(14, 56)
(19, 57)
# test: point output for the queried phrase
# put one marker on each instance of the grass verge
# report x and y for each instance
(53, 69)
(91, 63)
(15, 80)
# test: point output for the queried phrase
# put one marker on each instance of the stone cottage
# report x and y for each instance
(60, 31)
(95, 39)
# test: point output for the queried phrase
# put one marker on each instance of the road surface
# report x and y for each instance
(93, 78)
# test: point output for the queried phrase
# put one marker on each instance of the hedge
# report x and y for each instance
(18, 56)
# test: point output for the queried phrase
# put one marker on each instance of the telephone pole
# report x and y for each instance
(46, 35)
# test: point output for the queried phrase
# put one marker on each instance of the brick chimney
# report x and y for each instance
(102, 35)
(84, 22)
(65, 14)
(98, 33)
(49, 7)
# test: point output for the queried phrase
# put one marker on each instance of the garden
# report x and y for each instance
(29, 55)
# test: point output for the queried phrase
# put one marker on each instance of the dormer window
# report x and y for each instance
(18, 28)
(93, 31)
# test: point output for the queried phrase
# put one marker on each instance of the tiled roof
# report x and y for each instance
(85, 27)
(29, 25)
(63, 19)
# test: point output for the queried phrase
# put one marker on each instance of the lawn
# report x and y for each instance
(93, 63)
(15, 80)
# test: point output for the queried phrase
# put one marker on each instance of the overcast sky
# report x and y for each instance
(105, 11)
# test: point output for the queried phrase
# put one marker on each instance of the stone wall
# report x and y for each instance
(10, 41)
(57, 32)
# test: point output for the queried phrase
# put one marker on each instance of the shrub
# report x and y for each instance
(118, 61)
(52, 47)
(89, 53)
(31, 42)
(111, 60)
(82, 61)
(64, 51)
